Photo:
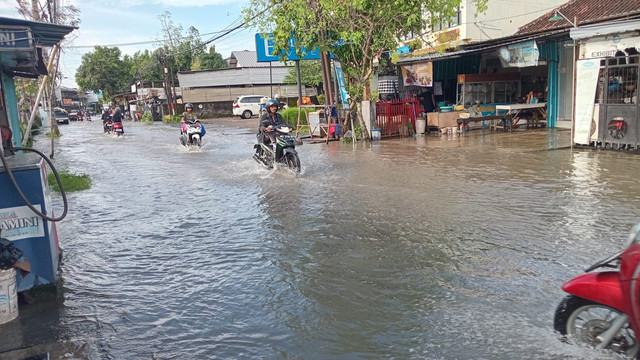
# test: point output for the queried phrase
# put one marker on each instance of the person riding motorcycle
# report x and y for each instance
(117, 115)
(268, 121)
(106, 117)
(189, 116)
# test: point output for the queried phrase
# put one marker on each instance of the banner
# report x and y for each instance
(522, 54)
(344, 95)
(586, 81)
(418, 74)
(21, 223)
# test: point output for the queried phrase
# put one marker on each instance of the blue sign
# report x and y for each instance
(266, 52)
(14, 38)
(341, 84)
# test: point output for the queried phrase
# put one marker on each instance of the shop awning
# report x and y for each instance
(21, 43)
(589, 31)
(483, 46)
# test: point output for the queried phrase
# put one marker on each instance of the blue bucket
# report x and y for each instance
(376, 134)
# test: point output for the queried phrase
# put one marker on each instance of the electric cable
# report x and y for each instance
(21, 194)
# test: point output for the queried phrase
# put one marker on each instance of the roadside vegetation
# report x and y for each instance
(70, 182)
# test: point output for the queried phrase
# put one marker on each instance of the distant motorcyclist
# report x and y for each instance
(189, 117)
(117, 115)
(106, 117)
(268, 121)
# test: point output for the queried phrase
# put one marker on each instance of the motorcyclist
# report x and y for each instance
(268, 121)
(189, 116)
(117, 115)
(106, 116)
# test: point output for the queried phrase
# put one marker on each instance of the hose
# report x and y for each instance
(24, 198)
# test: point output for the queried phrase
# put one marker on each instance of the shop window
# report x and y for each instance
(621, 83)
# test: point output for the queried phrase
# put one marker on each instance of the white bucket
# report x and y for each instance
(8, 296)
(420, 126)
(454, 130)
(376, 134)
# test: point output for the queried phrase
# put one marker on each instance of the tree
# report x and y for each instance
(356, 31)
(310, 74)
(212, 60)
(103, 69)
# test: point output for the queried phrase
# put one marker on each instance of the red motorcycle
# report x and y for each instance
(603, 308)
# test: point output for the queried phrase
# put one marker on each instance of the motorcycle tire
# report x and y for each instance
(293, 162)
(580, 321)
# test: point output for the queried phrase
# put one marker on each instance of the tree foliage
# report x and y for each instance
(355, 31)
(104, 69)
(310, 74)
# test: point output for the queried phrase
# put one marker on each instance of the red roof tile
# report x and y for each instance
(586, 12)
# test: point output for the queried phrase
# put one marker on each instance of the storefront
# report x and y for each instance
(608, 71)
(480, 76)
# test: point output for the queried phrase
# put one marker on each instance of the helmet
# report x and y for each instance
(188, 105)
(270, 103)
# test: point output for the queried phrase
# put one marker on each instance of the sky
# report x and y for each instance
(112, 22)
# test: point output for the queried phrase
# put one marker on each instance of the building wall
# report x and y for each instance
(219, 94)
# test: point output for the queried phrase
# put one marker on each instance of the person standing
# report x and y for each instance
(428, 100)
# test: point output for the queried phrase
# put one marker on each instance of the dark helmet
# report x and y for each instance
(270, 103)
(188, 105)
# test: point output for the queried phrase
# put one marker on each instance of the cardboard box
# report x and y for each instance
(440, 120)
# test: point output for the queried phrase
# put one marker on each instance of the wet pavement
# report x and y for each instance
(414, 248)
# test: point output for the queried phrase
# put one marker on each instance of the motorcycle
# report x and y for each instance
(192, 132)
(118, 129)
(108, 126)
(602, 309)
(284, 152)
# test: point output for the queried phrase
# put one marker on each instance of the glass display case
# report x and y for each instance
(477, 89)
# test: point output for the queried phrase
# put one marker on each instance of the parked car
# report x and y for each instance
(73, 116)
(61, 115)
(247, 105)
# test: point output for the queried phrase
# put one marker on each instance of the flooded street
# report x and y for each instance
(401, 249)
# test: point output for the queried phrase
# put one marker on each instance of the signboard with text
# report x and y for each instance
(15, 38)
(344, 95)
(265, 50)
(21, 223)
(586, 82)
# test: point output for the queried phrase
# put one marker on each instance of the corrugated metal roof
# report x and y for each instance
(44, 34)
(586, 12)
(249, 59)
(231, 77)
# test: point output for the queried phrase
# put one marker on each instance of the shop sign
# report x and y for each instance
(67, 101)
(265, 50)
(602, 47)
(522, 54)
(342, 85)
(15, 38)
(586, 81)
(20, 223)
(418, 74)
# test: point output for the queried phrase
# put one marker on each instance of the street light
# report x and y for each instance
(559, 16)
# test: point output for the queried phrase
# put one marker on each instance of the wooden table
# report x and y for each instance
(493, 118)
(515, 109)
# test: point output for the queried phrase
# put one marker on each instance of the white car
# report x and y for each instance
(248, 105)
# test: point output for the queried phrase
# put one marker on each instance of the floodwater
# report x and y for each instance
(426, 248)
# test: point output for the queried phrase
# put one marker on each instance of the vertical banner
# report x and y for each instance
(341, 84)
(586, 81)
(418, 74)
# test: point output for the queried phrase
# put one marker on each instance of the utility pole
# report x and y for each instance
(163, 60)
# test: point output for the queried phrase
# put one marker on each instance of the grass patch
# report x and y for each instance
(170, 119)
(290, 115)
(53, 135)
(70, 182)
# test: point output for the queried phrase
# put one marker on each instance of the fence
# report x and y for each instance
(392, 117)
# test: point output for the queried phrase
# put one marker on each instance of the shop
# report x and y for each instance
(608, 71)
(474, 80)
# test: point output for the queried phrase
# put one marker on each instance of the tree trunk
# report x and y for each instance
(361, 122)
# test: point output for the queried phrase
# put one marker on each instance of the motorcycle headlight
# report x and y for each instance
(634, 235)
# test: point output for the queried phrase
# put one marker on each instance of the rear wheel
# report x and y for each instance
(246, 114)
(582, 321)
(293, 162)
